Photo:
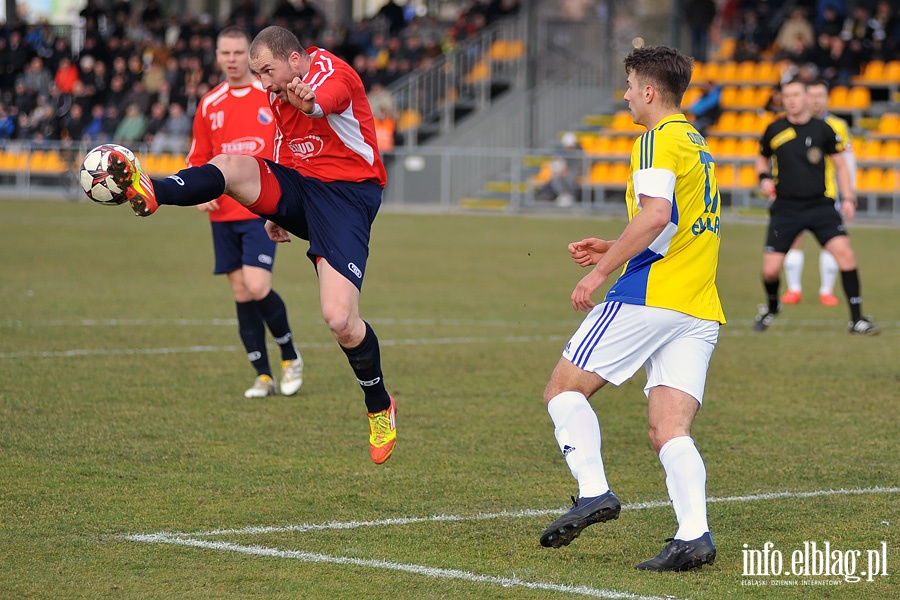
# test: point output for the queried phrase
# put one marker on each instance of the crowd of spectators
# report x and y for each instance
(139, 73)
(828, 39)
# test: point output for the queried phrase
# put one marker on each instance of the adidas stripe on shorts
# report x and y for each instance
(617, 339)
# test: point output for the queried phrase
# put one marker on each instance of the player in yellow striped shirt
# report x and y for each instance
(663, 313)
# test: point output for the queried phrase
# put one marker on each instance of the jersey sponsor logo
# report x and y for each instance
(265, 115)
(707, 223)
(264, 259)
(355, 270)
(250, 146)
(306, 147)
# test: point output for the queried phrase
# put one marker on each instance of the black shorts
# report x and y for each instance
(789, 217)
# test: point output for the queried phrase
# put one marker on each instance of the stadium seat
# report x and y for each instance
(12, 162)
(868, 149)
(873, 72)
(889, 124)
(748, 147)
(622, 122)
(892, 72)
(728, 72)
(730, 97)
(479, 72)
(599, 173)
(409, 119)
(727, 122)
(725, 176)
(860, 98)
(868, 180)
(727, 147)
(890, 149)
(621, 146)
(747, 122)
(690, 96)
(747, 178)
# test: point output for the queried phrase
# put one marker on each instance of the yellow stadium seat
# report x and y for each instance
(728, 72)
(859, 98)
(873, 72)
(690, 96)
(748, 147)
(409, 119)
(889, 124)
(621, 146)
(618, 173)
(727, 122)
(479, 72)
(730, 97)
(868, 149)
(726, 48)
(543, 176)
(868, 179)
(837, 99)
(748, 122)
(725, 175)
(698, 73)
(746, 71)
(747, 177)
(890, 149)
(892, 72)
(599, 173)
(727, 147)
(710, 72)
(622, 121)
(890, 181)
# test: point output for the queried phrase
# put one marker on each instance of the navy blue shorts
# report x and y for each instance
(335, 217)
(239, 243)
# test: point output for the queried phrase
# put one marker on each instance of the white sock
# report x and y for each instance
(578, 435)
(793, 270)
(686, 482)
(828, 272)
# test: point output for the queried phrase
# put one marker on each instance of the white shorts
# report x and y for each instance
(617, 339)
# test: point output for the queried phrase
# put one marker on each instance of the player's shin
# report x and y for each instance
(686, 483)
(190, 187)
(365, 359)
(578, 435)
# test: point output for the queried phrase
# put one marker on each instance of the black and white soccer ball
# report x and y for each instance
(95, 178)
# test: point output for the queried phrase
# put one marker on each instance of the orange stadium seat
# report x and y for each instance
(728, 72)
(873, 72)
(889, 124)
(409, 119)
(890, 181)
(690, 96)
(868, 149)
(725, 175)
(479, 72)
(729, 99)
(748, 147)
(860, 98)
(890, 149)
(727, 147)
(599, 173)
(747, 122)
(622, 122)
(868, 179)
(621, 146)
(892, 72)
(747, 177)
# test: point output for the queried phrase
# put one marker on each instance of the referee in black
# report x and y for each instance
(791, 169)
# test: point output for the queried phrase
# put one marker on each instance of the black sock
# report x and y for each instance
(366, 362)
(850, 279)
(274, 312)
(190, 187)
(772, 294)
(253, 334)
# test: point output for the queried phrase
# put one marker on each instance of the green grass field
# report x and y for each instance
(122, 416)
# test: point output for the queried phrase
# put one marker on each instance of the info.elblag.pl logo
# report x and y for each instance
(828, 564)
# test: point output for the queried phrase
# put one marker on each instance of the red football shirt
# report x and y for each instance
(232, 121)
(339, 145)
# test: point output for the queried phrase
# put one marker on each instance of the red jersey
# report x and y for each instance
(232, 121)
(338, 144)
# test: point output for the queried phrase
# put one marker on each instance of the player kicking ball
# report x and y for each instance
(324, 186)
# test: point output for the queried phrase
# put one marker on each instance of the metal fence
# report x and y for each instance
(444, 179)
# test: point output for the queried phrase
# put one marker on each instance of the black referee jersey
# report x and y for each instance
(798, 155)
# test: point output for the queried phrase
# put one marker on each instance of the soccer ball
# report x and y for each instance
(95, 178)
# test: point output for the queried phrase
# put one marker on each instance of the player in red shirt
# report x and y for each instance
(235, 118)
(325, 187)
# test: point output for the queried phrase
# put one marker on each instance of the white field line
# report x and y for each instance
(521, 513)
(434, 572)
(190, 539)
(512, 339)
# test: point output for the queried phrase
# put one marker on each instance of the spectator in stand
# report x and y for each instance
(774, 104)
(7, 125)
(565, 169)
(176, 131)
(385, 130)
(886, 34)
(707, 109)
(751, 35)
(66, 75)
(132, 126)
(157, 120)
(111, 119)
(139, 96)
(796, 27)
(74, 124)
(393, 14)
(117, 90)
(35, 77)
(699, 15)
(93, 131)
(832, 22)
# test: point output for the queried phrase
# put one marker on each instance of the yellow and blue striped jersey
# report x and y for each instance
(678, 270)
(843, 130)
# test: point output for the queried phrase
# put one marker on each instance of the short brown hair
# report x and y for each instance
(668, 69)
(280, 42)
(233, 31)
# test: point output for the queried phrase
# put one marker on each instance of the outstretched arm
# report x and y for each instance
(588, 251)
